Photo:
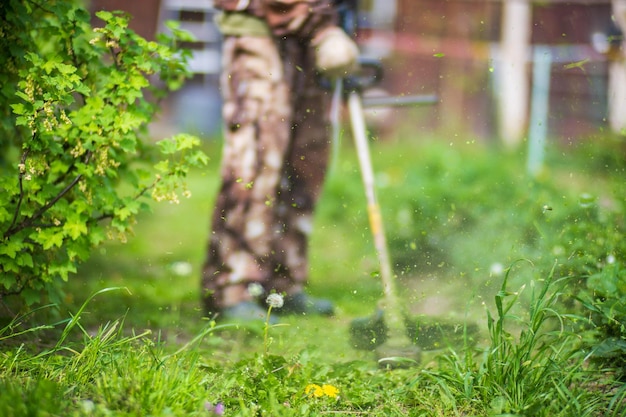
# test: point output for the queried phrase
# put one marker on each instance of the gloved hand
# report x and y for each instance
(336, 55)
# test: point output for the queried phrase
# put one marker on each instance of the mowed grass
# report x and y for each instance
(132, 339)
(160, 269)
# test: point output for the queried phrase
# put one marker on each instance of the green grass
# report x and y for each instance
(130, 339)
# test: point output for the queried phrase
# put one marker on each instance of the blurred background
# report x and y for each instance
(498, 67)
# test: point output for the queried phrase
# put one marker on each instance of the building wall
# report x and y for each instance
(145, 14)
(448, 46)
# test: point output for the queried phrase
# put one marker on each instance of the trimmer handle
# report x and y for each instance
(369, 74)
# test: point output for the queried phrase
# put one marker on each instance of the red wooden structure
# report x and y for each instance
(450, 47)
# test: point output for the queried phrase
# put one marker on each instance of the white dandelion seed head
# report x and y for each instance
(255, 290)
(275, 300)
(496, 269)
(181, 268)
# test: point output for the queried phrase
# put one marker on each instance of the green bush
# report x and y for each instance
(605, 300)
(591, 236)
(75, 164)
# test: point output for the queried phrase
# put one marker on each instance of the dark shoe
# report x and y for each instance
(245, 311)
(367, 333)
(301, 303)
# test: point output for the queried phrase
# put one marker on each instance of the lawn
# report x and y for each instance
(495, 265)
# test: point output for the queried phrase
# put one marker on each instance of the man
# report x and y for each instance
(275, 152)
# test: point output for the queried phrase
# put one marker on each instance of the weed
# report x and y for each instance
(107, 372)
(274, 300)
(533, 366)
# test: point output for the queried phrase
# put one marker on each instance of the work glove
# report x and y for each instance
(336, 55)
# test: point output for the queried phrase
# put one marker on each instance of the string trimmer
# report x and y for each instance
(397, 349)
(393, 346)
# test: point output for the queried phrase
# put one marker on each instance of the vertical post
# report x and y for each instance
(617, 75)
(513, 97)
(382, 14)
(538, 129)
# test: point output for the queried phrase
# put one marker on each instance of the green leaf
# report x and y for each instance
(163, 166)
(31, 296)
(185, 141)
(75, 228)
(127, 121)
(50, 239)
(128, 145)
(82, 89)
(10, 248)
(97, 236)
(123, 213)
(25, 259)
(5, 215)
(9, 265)
(198, 158)
(23, 96)
(167, 146)
(104, 15)
(78, 250)
(7, 280)
(19, 108)
(63, 270)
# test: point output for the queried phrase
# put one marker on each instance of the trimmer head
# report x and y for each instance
(392, 351)
(422, 334)
(367, 333)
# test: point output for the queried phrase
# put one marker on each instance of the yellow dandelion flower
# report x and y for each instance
(330, 390)
(314, 390)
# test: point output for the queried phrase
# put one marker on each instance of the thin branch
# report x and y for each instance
(149, 187)
(6, 307)
(29, 221)
(17, 289)
(21, 197)
(46, 225)
(137, 197)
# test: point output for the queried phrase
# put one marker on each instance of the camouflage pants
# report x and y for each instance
(273, 165)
